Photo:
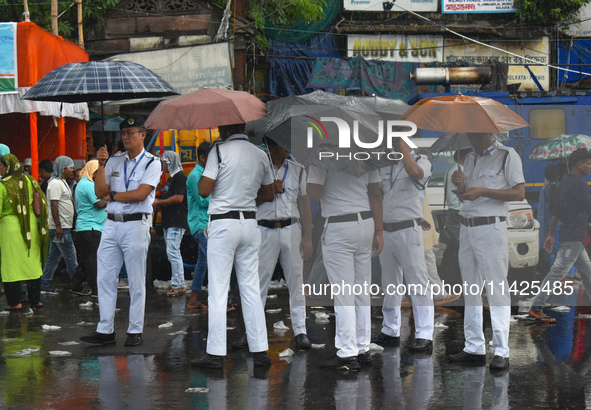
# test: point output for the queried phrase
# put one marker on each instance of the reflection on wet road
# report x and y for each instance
(44, 368)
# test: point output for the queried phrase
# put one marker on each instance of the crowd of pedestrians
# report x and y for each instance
(248, 210)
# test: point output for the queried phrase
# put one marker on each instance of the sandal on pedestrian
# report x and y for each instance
(16, 308)
(37, 306)
(540, 316)
(175, 292)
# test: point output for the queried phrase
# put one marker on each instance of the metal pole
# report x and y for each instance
(80, 27)
(54, 29)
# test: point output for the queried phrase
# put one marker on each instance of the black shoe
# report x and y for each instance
(261, 359)
(100, 338)
(464, 357)
(133, 339)
(209, 361)
(384, 340)
(499, 363)
(302, 342)
(420, 345)
(241, 343)
(342, 363)
(364, 358)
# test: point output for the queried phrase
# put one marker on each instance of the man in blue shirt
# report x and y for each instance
(198, 220)
(572, 208)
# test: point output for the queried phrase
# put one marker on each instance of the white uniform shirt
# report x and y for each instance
(488, 173)
(239, 175)
(58, 190)
(285, 205)
(343, 193)
(403, 201)
(115, 176)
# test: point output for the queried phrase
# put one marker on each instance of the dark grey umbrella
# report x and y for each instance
(314, 140)
(99, 81)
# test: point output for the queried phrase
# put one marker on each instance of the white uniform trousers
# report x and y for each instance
(346, 251)
(404, 256)
(234, 242)
(122, 242)
(484, 258)
(284, 243)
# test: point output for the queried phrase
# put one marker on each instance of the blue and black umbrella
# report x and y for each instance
(99, 81)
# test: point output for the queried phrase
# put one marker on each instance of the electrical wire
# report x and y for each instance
(485, 44)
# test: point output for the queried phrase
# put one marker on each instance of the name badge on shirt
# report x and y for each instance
(126, 205)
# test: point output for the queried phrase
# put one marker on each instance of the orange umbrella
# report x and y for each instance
(461, 113)
(208, 107)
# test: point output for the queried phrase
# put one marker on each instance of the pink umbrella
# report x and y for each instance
(208, 107)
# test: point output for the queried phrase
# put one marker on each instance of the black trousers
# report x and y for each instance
(87, 244)
(13, 292)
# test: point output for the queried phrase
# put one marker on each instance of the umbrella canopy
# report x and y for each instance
(308, 132)
(460, 113)
(99, 81)
(457, 141)
(278, 111)
(560, 147)
(208, 107)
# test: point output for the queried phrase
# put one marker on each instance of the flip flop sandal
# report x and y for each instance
(37, 306)
(13, 309)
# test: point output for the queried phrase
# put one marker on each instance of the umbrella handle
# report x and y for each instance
(273, 173)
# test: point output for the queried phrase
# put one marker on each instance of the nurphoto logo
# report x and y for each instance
(392, 129)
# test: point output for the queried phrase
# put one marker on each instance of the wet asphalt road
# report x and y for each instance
(549, 364)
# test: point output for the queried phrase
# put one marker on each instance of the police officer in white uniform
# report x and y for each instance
(279, 223)
(238, 176)
(281, 233)
(492, 177)
(130, 179)
(403, 185)
(352, 207)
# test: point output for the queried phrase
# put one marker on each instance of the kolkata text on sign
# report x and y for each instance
(536, 50)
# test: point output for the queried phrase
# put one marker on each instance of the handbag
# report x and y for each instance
(450, 232)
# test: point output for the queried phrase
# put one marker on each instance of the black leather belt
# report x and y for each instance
(276, 224)
(234, 215)
(480, 220)
(398, 226)
(126, 217)
(350, 217)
